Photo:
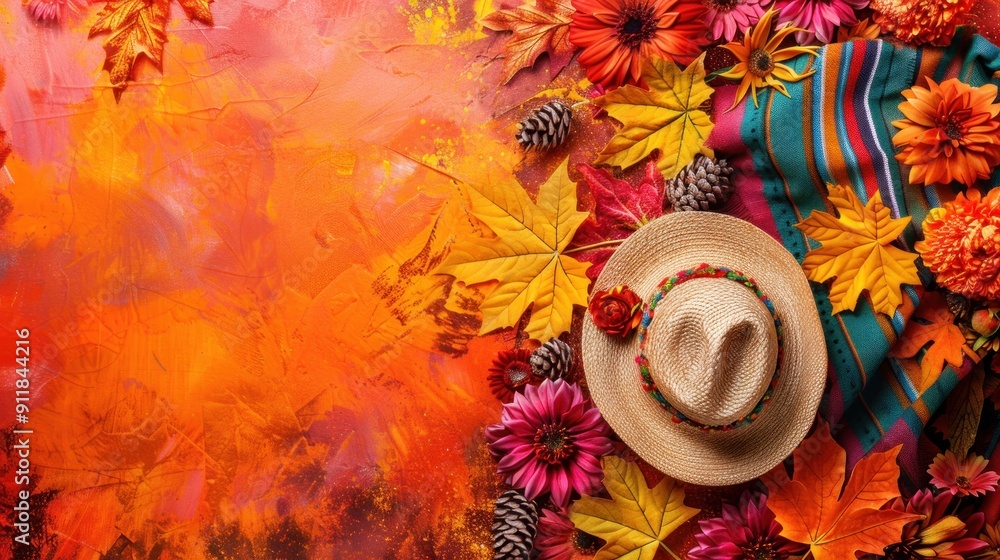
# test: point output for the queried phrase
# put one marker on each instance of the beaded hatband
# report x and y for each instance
(705, 271)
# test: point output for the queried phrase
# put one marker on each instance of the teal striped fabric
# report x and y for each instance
(836, 128)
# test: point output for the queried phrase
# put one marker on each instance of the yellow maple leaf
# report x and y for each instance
(637, 519)
(537, 26)
(526, 255)
(665, 117)
(857, 252)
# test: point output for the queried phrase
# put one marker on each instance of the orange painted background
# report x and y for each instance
(237, 348)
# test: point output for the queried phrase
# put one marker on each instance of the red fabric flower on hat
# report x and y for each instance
(511, 371)
(616, 311)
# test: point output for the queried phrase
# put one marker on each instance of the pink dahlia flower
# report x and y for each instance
(745, 532)
(727, 18)
(550, 439)
(818, 18)
(935, 535)
(558, 539)
(964, 478)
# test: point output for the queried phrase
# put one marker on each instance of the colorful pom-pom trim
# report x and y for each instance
(705, 271)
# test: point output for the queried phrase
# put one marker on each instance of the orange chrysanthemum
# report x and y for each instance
(760, 59)
(951, 132)
(962, 245)
(922, 21)
(617, 36)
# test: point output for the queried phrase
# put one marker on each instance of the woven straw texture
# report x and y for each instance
(712, 350)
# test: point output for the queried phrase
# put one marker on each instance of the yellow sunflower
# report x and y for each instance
(760, 59)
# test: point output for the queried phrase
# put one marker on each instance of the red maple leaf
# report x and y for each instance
(621, 210)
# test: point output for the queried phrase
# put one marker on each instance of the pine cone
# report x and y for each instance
(546, 127)
(553, 360)
(514, 521)
(958, 305)
(702, 185)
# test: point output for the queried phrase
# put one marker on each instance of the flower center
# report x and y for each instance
(963, 482)
(724, 5)
(952, 123)
(761, 63)
(553, 444)
(584, 543)
(636, 26)
(517, 374)
(953, 130)
(760, 549)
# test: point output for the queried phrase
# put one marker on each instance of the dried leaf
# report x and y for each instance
(812, 509)
(667, 117)
(857, 252)
(933, 324)
(197, 10)
(965, 407)
(621, 210)
(136, 27)
(637, 519)
(526, 256)
(537, 26)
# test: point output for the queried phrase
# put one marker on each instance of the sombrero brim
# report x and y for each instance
(681, 241)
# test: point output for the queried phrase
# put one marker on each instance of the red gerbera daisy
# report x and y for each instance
(511, 371)
(618, 35)
(964, 478)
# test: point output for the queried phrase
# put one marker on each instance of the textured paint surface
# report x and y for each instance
(237, 349)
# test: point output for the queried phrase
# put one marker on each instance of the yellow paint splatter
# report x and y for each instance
(443, 23)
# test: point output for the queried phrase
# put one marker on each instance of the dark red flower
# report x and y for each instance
(511, 371)
(745, 532)
(616, 311)
(936, 534)
(558, 539)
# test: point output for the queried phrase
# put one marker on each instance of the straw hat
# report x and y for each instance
(733, 376)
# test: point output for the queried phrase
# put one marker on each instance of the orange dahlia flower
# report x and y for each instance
(617, 36)
(922, 21)
(951, 132)
(962, 245)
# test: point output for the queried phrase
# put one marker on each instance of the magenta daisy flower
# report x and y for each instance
(742, 533)
(558, 539)
(819, 18)
(727, 18)
(964, 478)
(550, 439)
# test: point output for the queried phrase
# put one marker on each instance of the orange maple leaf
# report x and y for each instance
(937, 329)
(812, 509)
(537, 26)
